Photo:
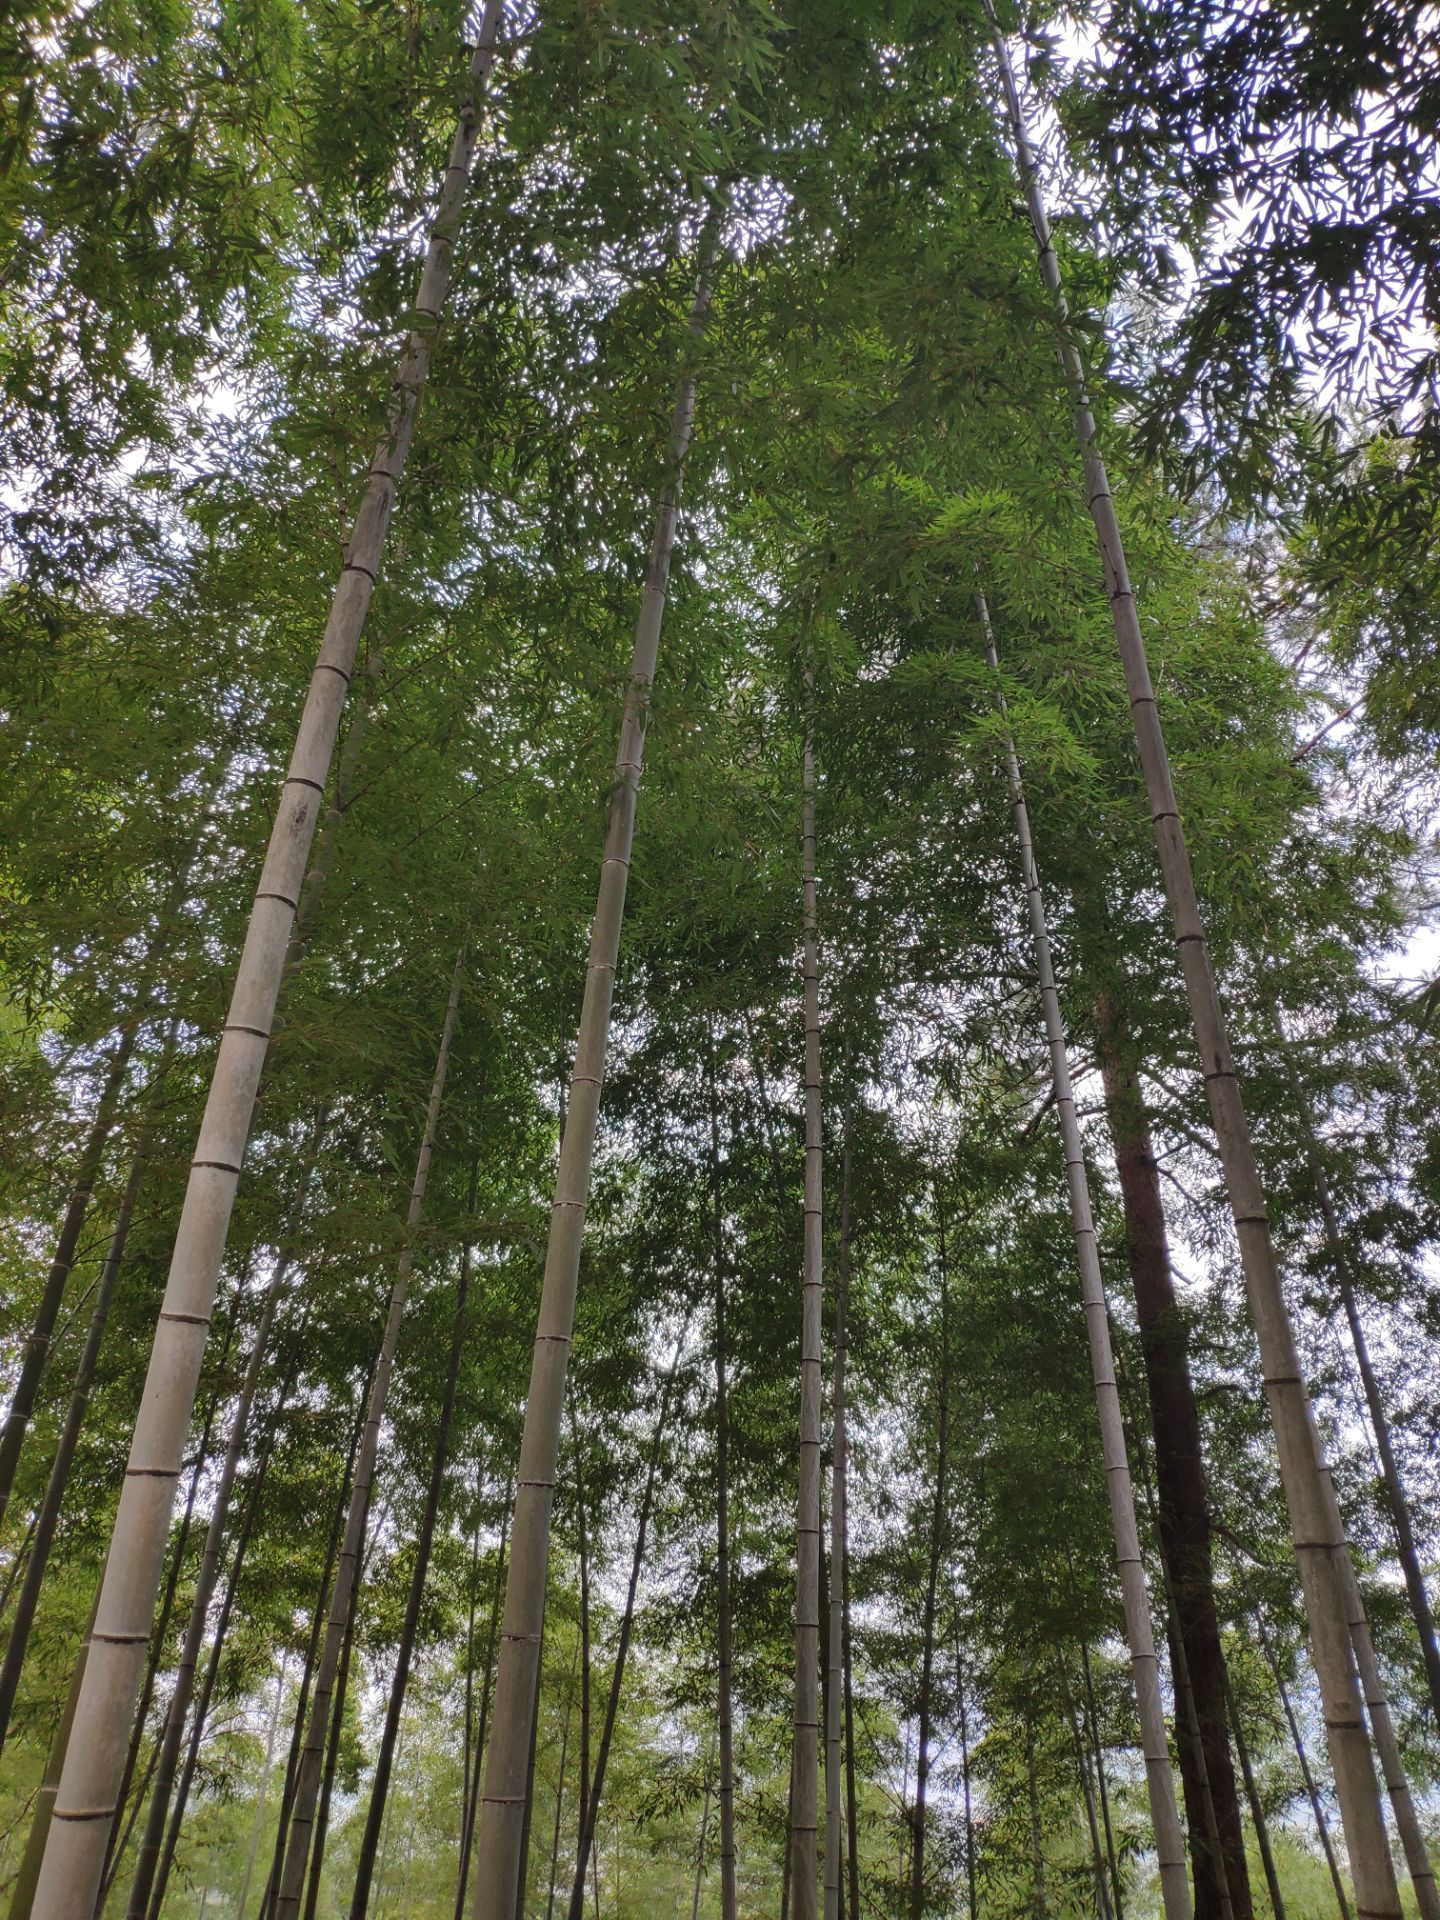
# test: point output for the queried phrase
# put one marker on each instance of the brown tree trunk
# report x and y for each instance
(1184, 1513)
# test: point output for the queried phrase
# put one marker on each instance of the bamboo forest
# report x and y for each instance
(719, 959)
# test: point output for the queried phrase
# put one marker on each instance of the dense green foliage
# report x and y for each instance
(211, 223)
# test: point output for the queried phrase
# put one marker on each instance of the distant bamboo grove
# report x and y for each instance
(793, 1273)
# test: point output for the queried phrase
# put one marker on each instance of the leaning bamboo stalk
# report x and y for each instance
(1087, 1790)
(308, 1775)
(804, 1808)
(1297, 1438)
(1382, 1729)
(119, 1838)
(1139, 1632)
(86, 1801)
(504, 1799)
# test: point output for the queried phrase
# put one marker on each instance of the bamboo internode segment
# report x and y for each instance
(1319, 1546)
(71, 1872)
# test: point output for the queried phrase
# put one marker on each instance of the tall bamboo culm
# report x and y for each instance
(85, 1803)
(1318, 1548)
(1139, 1633)
(804, 1800)
(499, 1839)
(347, 1569)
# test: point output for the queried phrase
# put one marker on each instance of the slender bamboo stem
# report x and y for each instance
(85, 1805)
(627, 1627)
(179, 1707)
(244, 1531)
(972, 1877)
(472, 1797)
(1257, 1812)
(1301, 1456)
(1312, 1791)
(318, 1616)
(505, 1797)
(347, 1573)
(1098, 1861)
(1139, 1633)
(560, 1786)
(1098, 1748)
(385, 1758)
(257, 1826)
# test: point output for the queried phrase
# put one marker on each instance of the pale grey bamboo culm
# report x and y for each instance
(85, 1802)
(500, 1837)
(1319, 1548)
(804, 1797)
(1139, 1632)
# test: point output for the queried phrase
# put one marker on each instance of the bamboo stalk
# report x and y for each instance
(1139, 1632)
(505, 1797)
(87, 1798)
(1297, 1437)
